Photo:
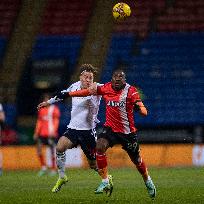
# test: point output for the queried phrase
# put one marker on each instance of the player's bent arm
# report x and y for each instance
(85, 92)
(80, 93)
(143, 111)
(141, 108)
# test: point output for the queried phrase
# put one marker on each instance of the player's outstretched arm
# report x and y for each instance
(85, 92)
(139, 106)
(59, 97)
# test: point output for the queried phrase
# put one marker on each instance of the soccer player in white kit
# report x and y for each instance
(81, 128)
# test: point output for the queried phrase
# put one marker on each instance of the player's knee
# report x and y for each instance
(92, 164)
(135, 157)
(137, 160)
(60, 148)
(101, 145)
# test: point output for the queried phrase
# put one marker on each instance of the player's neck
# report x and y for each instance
(119, 89)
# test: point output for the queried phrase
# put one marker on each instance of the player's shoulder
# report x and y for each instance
(108, 84)
(132, 89)
(75, 85)
(105, 87)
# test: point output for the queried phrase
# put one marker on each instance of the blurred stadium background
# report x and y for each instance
(161, 47)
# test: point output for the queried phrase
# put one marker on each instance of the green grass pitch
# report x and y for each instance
(174, 185)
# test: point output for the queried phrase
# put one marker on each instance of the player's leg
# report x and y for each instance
(133, 150)
(51, 144)
(104, 141)
(101, 147)
(65, 142)
(87, 141)
(106, 184)
(41, 157)
(141, 167)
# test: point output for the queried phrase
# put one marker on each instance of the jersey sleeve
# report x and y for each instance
(135, 97)
(101, 89)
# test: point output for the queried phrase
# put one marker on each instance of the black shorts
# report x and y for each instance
(85, 138)
(129, 142)
(47, 140)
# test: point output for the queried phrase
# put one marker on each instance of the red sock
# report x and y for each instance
(102, 165)
(42, 161)
(141, 167)
(101, 160)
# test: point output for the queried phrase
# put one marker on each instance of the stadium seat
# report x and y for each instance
(174, 18)
(168, 69)
(66, 18)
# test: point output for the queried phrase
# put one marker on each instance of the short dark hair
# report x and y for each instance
(88, 68)
(119, 70)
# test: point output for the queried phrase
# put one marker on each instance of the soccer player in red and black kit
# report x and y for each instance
(121, 100)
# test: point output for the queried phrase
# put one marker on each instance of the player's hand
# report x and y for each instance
(43, 104)
(93, 88)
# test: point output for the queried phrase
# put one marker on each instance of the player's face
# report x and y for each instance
(86, 79)
(118, 80)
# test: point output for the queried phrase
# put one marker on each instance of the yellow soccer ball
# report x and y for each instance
(121, 11)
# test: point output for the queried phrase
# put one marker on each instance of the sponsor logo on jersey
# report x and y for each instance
(116, 103)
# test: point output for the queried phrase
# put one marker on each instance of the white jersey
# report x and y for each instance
(84, 110)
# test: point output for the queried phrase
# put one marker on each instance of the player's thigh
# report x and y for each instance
(87, 142)
(63, 144)
(131, 146)
(106, 139)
